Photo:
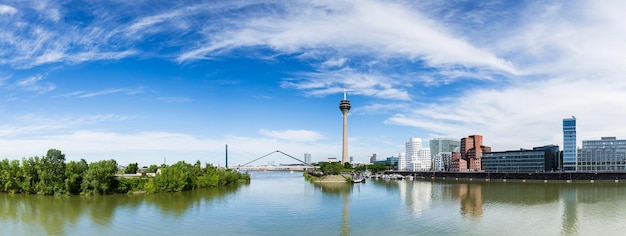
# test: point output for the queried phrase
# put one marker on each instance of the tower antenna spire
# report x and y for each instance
(344, 93)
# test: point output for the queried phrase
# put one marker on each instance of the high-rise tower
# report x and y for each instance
(569, 144)
(344, 106)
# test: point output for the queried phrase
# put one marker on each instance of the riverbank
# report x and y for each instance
(568, 177)
(325, 178)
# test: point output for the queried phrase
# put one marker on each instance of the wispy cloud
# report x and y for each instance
(383, 29)
(85, 94)
(333, 82)
(34, 84)
(292, 135)
(37, 124)
(6, 9)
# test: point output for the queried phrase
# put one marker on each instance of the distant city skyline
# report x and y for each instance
(144, 81)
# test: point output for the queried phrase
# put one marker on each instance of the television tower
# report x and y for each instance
(344, 106)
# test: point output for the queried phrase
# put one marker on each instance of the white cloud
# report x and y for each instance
(367, 84)
(27, 125)
(292, 135)
(33, 84)
(383, 29)
(84, 94)
(6, 9)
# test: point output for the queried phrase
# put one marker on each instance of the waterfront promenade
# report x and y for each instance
(521, 176)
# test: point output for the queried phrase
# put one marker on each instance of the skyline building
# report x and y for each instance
(446, 146)
(569, 144)
(442, 161)
(373, 158)
(307, 158)
(403, 162)
(419, 157)
(606, 154)
(472, 150)
(539, 159)
(344, 106)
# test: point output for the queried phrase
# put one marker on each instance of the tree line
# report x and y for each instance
(51, 175)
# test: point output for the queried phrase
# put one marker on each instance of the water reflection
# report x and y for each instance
(416, 194)
(569, 217)
(58, 215)
(343, 190)
(471, 198)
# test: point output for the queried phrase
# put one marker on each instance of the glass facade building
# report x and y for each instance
(569, 144)
(539, 159)
(445, 146)
(606, 154)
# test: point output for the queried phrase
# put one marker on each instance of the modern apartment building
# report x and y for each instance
(569, 144)
(606, 154)
(442, 161)
(472, 150)
(419, 157)
(403, 162)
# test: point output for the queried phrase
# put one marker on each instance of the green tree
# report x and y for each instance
(347, 165)
(330, 168)
(31, 174)
(74, 172)
(100, 178)
(174, 178)
(153, 168)
(51, 173)
(132, 168)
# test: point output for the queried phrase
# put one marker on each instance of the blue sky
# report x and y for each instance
(139, 81)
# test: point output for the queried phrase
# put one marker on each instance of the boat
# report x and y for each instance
(358, 180)
(358, 177)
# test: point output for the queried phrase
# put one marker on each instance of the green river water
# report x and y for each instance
(283, 203)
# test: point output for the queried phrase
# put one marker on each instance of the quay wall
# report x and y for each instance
(521, 176)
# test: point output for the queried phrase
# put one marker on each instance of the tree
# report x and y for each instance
(74, 175)
(51, 173)
(330, 168)
(132, 168)
(153, 168)
(347, 165)
(31, 174)
(100, 178)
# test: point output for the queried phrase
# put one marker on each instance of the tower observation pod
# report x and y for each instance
(344, 106)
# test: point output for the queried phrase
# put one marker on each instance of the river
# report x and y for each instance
(283, 203)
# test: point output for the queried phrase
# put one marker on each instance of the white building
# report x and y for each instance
(442, 161)
(419, 157)
(403, 162)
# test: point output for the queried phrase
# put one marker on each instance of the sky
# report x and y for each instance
(165, 81)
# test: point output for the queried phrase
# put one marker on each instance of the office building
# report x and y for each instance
(458, 164)
(569, 144)
(418, 156)
(373, 158)
(472, 150)
(606, 154)
(403, 162)
(442, 161)
(539, 159)
(443, 145)
(307, 158)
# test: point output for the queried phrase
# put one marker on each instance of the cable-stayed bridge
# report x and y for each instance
(301, 166)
